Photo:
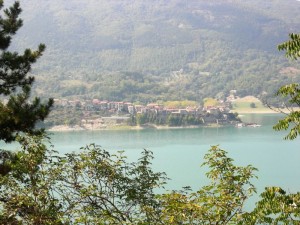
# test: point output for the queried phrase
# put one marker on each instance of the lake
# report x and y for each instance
(179, 152)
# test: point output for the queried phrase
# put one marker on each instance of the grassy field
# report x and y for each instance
(250, 104)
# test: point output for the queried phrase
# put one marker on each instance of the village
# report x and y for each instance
(103, 114)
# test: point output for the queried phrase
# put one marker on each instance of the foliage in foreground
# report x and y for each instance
(220, 202)
(89, 187)
(95, 187)
(275, 207)
(290, 91)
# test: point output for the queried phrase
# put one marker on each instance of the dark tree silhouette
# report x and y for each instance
(17, 112)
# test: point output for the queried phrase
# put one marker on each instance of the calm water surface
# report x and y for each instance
(179, 152)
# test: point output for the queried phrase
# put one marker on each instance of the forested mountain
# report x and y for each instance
(149, 50)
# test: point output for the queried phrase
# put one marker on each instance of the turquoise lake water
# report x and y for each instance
(179, 152)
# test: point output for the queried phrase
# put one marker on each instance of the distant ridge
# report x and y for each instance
(129, 50)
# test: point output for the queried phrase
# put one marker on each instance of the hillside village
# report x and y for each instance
(101, 114)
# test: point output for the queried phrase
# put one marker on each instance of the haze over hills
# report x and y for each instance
(159, 49)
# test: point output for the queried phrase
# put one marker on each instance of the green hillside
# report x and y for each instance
(159, 49)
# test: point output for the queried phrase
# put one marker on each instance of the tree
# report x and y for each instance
(88, 187)
(141, 119)
(290, 91)
(18, 114)
(99, 188)
(276, 206)
(220, 202)
(252, 105)
(292, 46)
(96, 187)
(27, 194)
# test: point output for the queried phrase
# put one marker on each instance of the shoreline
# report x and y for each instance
(66, 128)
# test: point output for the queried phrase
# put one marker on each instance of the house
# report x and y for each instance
(155, 106)
(182, 111)
(126, 105)
(120, 106)
(96, 101)
(138, 108)
(103, 105)
(131, 109)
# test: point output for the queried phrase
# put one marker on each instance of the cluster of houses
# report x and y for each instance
(100, 114)
(117, 108)
(119, 113)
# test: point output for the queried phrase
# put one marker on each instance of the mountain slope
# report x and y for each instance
(129, 50)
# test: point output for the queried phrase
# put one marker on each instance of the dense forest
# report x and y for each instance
(159, 50)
